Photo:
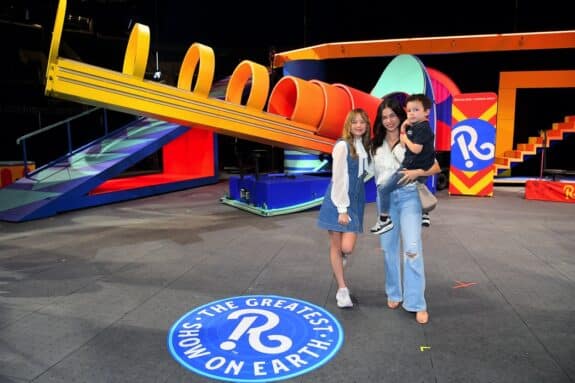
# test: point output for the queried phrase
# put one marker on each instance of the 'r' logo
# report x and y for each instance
(568, 190)
(255, 333)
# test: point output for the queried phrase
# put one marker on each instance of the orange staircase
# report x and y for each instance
(556, 133)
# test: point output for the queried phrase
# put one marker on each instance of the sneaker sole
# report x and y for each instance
(345, 306)
(384, 230)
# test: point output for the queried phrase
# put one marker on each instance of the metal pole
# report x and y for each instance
(105, 122)
(69, 137)
(25, 158)
(543, 152)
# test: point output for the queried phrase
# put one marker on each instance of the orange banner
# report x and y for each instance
(550, 191)
(472, 144)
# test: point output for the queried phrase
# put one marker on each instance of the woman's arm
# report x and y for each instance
(412, 175)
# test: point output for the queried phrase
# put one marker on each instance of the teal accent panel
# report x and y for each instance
(404, 74)
(16, 198)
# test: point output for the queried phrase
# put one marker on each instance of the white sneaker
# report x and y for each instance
(377, 225)
(343, 298)
(344, 259)
(382, 226)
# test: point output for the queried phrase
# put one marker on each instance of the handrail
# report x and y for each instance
(56, 124)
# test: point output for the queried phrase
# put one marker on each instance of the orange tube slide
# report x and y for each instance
(297, 99)
(321, 105)
(362, 100)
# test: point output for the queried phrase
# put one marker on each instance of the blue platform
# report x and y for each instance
(275, 194)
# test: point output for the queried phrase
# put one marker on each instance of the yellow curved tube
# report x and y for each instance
(260, 84)
(201, 57)
(136, 56)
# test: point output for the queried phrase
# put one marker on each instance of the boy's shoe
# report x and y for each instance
(377, 225)
(383, 226)
(425, 220)
(343, 299)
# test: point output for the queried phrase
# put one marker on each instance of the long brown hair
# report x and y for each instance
(346, 132)
(379, 131)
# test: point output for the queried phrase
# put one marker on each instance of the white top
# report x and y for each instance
(340, 187)
(386, 162)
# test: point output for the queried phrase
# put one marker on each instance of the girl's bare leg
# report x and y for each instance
(340, 243)
(335, 258)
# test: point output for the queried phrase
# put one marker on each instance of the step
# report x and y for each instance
(513, 154)
(535, 140)
(502, 161)
(499, 168)
(531, 148)
(554, 134)
(563, 125)
(568, 127)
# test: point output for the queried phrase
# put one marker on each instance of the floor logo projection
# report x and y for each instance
(255, 338)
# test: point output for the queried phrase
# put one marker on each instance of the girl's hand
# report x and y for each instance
(343, 219)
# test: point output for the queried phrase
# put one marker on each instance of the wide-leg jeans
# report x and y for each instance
(403, 244)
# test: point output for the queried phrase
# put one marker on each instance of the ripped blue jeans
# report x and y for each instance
(403, 244)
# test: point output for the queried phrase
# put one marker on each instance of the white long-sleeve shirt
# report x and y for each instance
(385, 162)
(340, 177)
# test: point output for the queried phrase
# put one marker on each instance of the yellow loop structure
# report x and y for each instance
(260, 84)
(136, 56)
(199, 57)
(57, 34)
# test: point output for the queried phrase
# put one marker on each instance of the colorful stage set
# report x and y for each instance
(303, 114)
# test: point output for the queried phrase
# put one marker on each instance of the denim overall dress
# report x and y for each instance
(328, 214)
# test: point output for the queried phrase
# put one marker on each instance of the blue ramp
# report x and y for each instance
(65, 184)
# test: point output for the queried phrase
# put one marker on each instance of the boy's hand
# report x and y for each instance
(403, 126)
(402, 135)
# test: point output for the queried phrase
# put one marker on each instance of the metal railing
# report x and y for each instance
(67, 122)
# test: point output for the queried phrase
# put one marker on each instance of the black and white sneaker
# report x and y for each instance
(425, 220)
(382, 226)
(377, 225)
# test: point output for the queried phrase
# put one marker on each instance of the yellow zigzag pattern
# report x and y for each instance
(474, 189)
(486, 116)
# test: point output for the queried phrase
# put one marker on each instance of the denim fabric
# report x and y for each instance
(405, 211)
(384, 193)
(327, 218)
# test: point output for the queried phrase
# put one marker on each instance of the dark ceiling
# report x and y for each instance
(96, 32)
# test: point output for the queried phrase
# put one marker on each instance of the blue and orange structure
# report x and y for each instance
(302, 115)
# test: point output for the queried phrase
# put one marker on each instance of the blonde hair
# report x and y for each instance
(346, 132)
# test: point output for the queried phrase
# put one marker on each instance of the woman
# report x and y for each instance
(341, 212)
(405, 209)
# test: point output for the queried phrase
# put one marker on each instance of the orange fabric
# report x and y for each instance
(550, 191)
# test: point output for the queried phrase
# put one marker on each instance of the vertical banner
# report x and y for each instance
(472, 144)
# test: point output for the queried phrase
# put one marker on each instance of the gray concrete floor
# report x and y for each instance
(90, 296)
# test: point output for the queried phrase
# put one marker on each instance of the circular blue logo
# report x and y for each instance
(472, 144)
(255, 338)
